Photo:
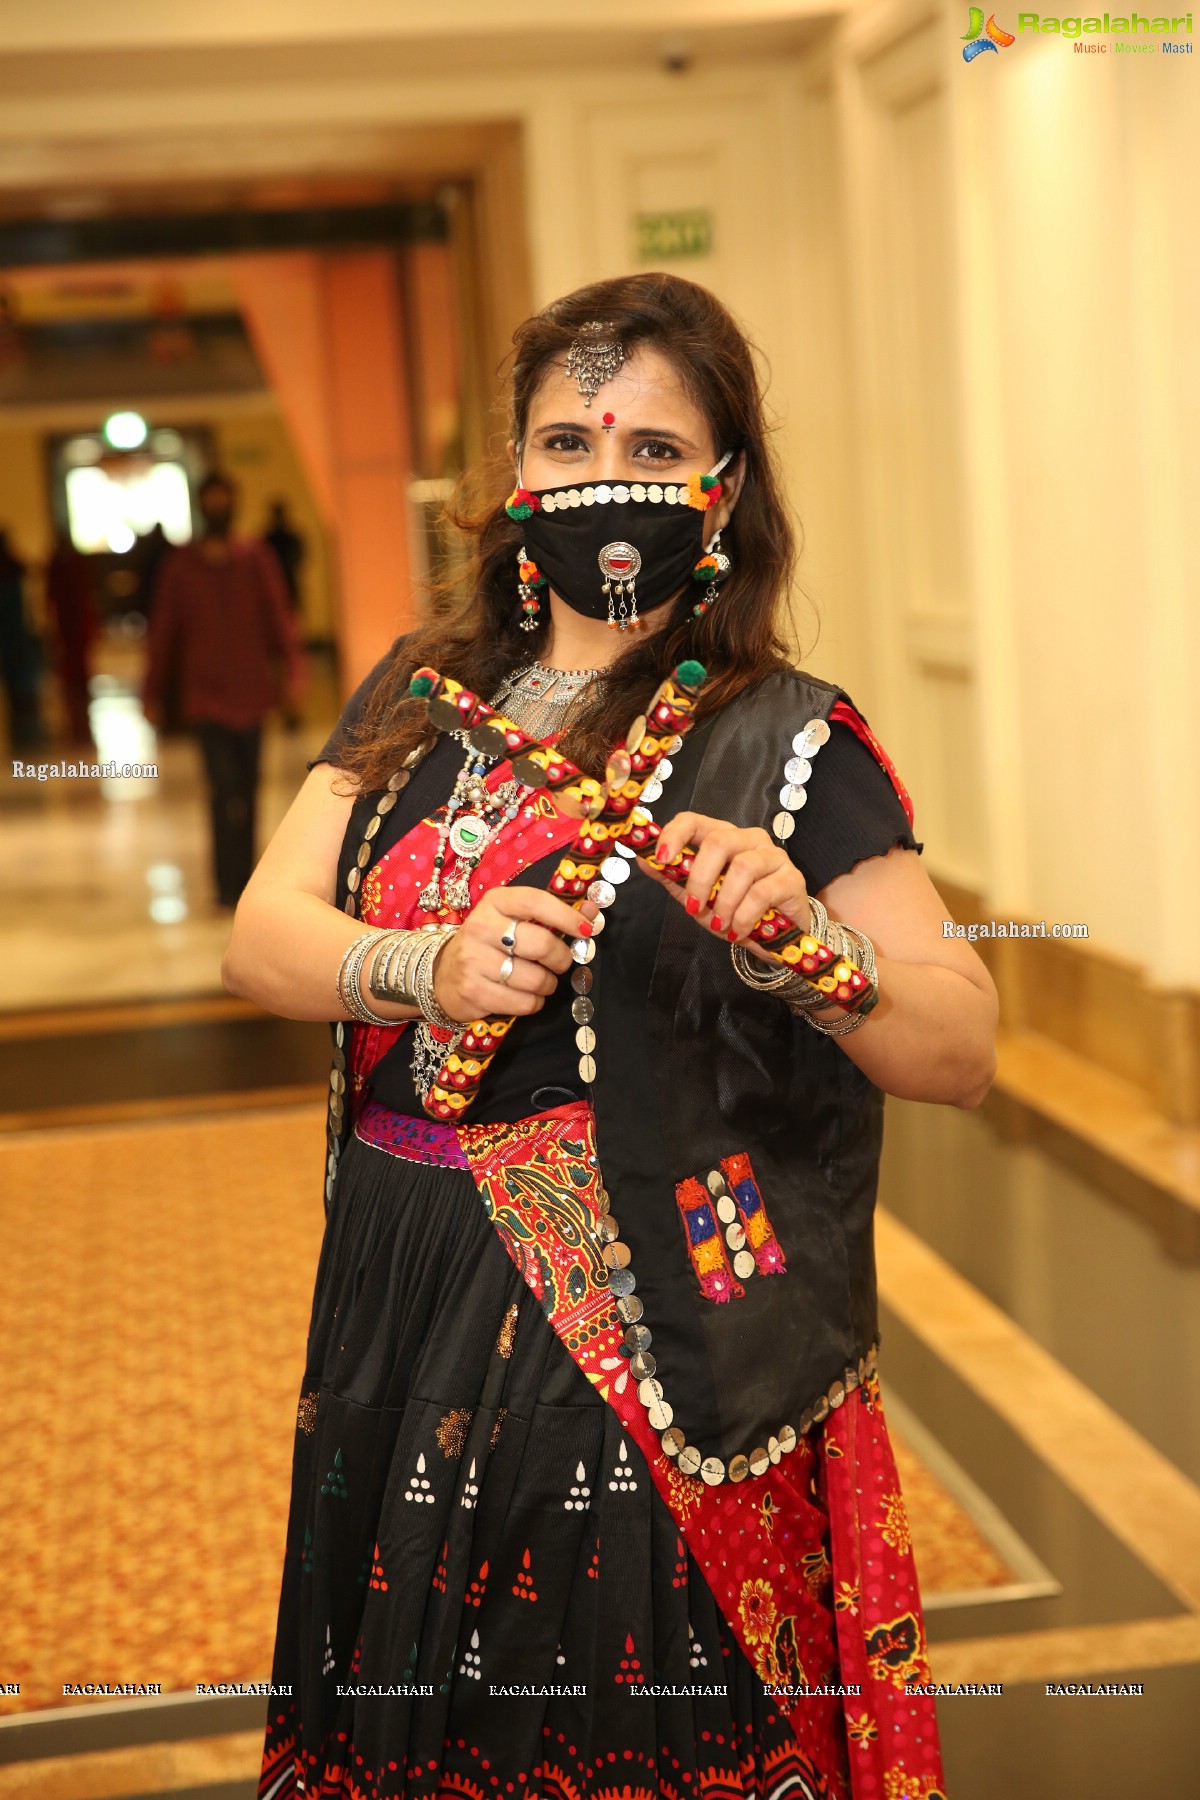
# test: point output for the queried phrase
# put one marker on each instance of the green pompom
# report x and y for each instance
(691, 673)
(420, 685)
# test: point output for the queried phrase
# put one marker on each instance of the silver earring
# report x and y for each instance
(712, 569)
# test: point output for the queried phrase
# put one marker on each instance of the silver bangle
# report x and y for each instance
(349, 970)
(802, 997)
(427, 1000)
(389, 977)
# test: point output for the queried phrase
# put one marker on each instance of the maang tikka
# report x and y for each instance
(594, 357)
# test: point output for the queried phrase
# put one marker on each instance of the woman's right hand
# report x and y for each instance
(466, 975)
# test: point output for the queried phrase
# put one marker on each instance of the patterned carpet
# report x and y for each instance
(157, 1283)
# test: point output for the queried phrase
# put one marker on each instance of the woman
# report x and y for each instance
(592, 1494)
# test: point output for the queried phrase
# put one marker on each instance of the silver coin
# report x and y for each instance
(787, 1440)
(673, 1441)
(735, 1237)
(585, 1039)
(582, 1010)
(743, 1265)
(583, 949)
(635, 734)
(760, 1462)
(581, 981)
(811, 737)
(783, 826)
(739, 1468)
(614, 870)
(616, 1255)
(675, 745)
(625, 851)
(587, 1069)
(773, 1450)
(714, 1181)
(649, 1391)
(660, 1414)
(664, 768)
(607, 1229)
(712, 1470)
(598, 924)
(652, 790)
(638, 1337)
(690, 1459)
(630, 1309)
(792, 798)
(621, 1282)
(603, 1203)
(642, 1364)
(797, 769)
(726, 1210)
(602, 892)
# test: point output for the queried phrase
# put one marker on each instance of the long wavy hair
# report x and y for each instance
(476, 636)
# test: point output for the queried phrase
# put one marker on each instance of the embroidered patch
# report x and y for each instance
(761, 1241)
(705, 1241)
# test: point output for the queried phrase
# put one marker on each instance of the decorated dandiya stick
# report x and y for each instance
(666, 719)
(793, 945)
(453, 707)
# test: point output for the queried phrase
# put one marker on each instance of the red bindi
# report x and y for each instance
(608, 421)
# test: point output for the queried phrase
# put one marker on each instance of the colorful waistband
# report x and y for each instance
(432, 1141)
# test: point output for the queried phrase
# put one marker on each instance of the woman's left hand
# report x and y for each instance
(756, 874)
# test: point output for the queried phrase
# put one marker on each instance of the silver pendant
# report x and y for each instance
(468, 834)
(620, 562)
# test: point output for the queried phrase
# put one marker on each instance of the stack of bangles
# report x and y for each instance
(801, 995)
(401, 971)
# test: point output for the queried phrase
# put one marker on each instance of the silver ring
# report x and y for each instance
(509, 935)
(506, 968)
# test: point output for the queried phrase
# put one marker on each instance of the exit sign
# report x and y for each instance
(669, 234)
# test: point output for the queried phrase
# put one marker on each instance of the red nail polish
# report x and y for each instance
(585, 927)
(732, 936)
(716, 923)
(692, 904)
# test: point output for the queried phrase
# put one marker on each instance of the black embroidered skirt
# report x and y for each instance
(482, 1586)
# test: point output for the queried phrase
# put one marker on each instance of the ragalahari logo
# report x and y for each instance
(996, 36)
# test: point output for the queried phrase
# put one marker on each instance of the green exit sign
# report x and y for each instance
(668, 234)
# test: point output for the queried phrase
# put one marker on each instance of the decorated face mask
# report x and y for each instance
(611, 547)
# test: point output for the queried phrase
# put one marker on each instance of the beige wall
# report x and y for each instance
(976, 287)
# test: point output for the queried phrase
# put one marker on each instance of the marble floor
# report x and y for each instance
(105, 889)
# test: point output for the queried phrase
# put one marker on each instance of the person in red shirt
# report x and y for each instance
(221, 630)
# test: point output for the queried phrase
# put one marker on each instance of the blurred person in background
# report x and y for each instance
(221, 627)
(289, 548)
(153, 547)
(71, 608)
(590, 1407)
(21, 654)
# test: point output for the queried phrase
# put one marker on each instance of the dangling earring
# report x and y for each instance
(531, 577)
(712, 568)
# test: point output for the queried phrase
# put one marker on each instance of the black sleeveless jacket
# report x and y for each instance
(692, 1066)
